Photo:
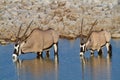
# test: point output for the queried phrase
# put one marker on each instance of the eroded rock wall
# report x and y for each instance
(62, 15)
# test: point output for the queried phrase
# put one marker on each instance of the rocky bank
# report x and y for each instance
(62, 15)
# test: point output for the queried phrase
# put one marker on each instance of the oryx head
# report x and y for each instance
(19, 43)
(82, 49)
(17, 49)
(84, 41)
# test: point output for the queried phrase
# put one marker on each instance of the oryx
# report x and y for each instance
(37, 41)
(95, 41)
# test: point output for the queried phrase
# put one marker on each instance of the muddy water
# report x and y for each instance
(67, 66)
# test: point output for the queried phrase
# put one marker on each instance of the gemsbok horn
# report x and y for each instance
(95, 41)
(37, 41)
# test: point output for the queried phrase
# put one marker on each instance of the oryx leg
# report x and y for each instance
(39, 54)
(56, 48)
(92, 52)
(48, 53)
(109, 48)
(100, 52)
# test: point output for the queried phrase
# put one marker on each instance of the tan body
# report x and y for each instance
(98, 39)
(95, 41)
(39, 40)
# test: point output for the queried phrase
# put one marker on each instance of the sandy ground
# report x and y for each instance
(63, 16)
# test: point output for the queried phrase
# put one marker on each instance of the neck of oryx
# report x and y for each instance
(19, 50)
(87, 43)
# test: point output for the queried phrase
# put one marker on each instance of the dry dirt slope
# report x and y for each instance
(62, 15)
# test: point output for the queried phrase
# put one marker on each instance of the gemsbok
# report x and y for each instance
(37, 41)
(95, 41)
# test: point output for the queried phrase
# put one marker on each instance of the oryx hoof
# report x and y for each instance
(92, 54)
(39, 57)
(110, 53)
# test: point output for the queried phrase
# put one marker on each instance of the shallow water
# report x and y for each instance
(67, 66)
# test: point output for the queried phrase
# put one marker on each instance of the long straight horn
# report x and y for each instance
(81, 35)
(91, 29)
(19, 31)
(93, 25)
(27, 28)
(17, 36)
(81, 26)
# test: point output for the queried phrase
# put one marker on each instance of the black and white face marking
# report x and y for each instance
(16, 47)
(82, 49)
(16, 52)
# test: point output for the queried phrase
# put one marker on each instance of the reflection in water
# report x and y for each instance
(95, 68)
(37, 69)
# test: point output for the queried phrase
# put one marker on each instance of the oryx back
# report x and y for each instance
(55, 35)
(107, 36)
(39, 40)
